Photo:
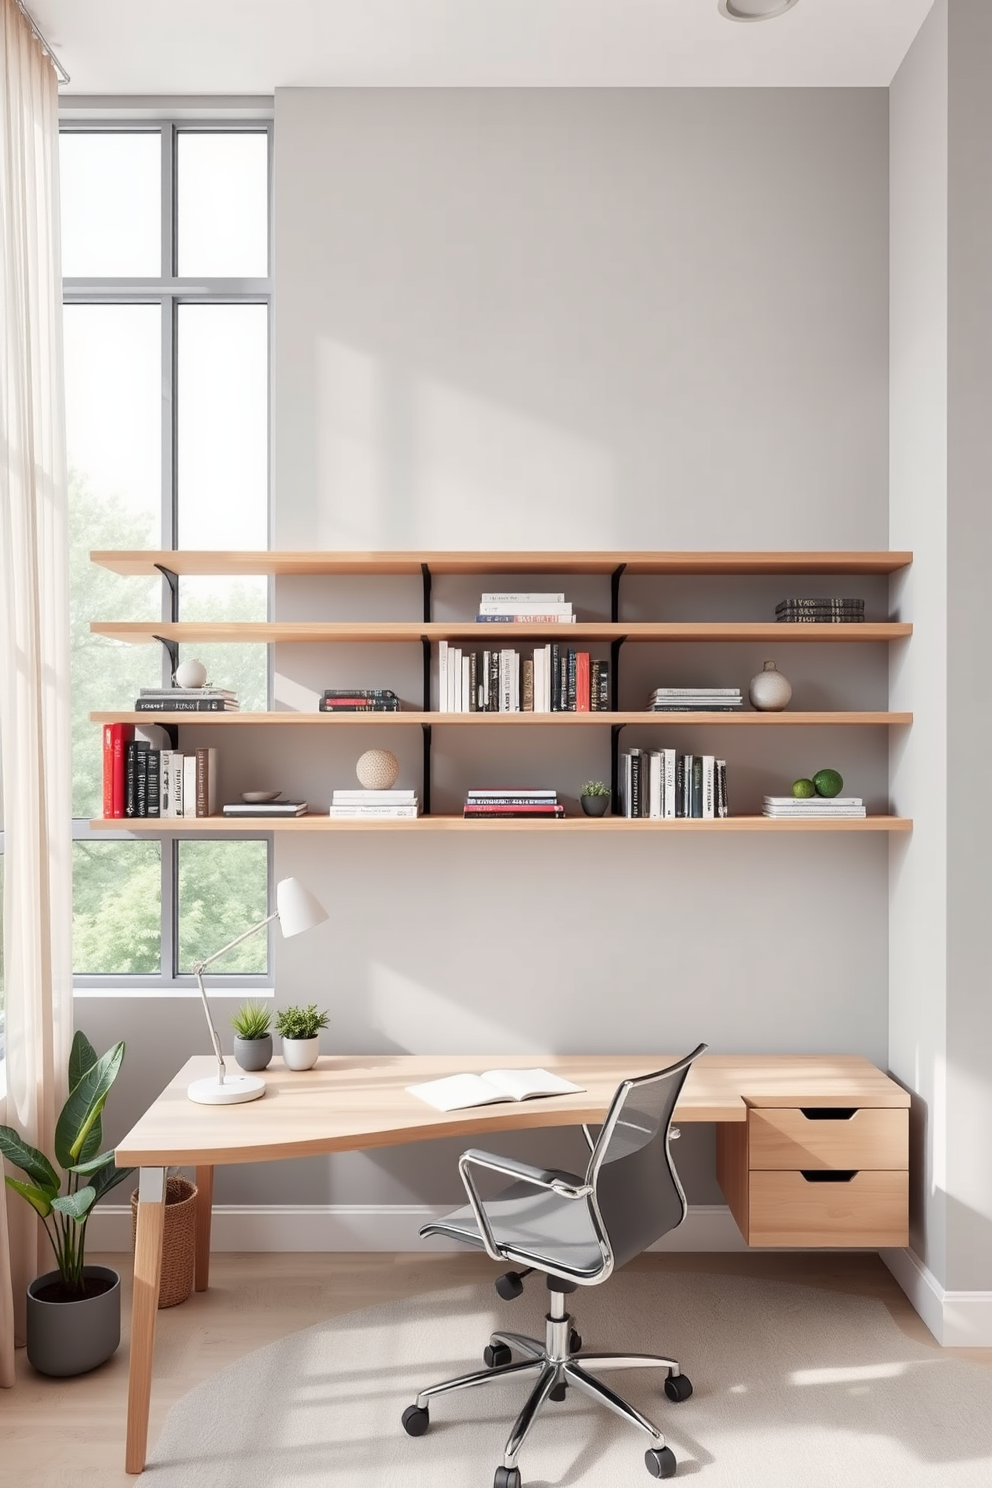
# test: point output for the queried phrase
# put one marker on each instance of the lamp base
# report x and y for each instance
(235, 1089)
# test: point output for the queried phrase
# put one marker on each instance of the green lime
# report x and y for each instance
(828, 782)
(803, 789)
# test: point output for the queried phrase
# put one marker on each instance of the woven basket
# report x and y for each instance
(178, 1240)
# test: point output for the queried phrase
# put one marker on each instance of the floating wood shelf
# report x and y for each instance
(212, 825)
(510, 720)
(138, 633)
(145, 563)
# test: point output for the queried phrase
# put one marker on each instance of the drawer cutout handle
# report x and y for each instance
(829, 1113)
(820, 1175)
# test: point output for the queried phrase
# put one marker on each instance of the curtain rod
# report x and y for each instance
(60, 71)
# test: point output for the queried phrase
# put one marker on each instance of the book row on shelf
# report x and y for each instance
(140, 780)
(555, 679)
(663, 783)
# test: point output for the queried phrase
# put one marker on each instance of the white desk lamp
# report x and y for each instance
(296, 910)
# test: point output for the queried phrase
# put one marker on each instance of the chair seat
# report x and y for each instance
(531, 1223)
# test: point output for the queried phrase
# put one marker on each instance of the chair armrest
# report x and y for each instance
(565, 1185)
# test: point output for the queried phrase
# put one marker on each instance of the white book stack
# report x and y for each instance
(782, 807)
(375, 805)
(525, 609)
(695, 699)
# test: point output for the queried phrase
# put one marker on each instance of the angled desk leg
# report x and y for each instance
(204, 1214)
(144, 1310)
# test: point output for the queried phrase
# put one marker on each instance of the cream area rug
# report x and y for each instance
(794, 1388)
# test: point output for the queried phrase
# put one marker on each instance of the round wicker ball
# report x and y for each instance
(377, 769)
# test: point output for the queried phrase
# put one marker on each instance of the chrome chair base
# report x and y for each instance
(558, 1363)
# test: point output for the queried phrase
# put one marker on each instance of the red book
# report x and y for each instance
(116, 737)
(515, 809)
(582, 682)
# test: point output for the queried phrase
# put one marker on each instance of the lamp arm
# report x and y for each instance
(198, 973)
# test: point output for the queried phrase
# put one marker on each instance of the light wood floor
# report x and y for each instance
(67, 1433)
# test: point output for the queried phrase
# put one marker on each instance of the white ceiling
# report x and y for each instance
(212, 47)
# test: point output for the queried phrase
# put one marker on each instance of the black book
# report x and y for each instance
(365, 692)
(819, 602)
(697, 786)
(722, 804)
(594, 686)
(153, 786)
(571, 680)
(635, 783)
(183, 705)
(473, 682)
(141, 751)
(130, 757)
(682, 761)
(555, 677)
(604, 687)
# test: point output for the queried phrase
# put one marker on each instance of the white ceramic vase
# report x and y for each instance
(769, 691)
(300, 1054)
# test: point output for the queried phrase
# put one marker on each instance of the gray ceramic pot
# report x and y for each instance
(253, 1054)
(73, 1337)
(595, 805)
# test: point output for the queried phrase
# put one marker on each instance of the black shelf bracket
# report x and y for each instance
(425, 571)
(425, 642)
(172, 579)
(172, 647)
(615, 673)
(615, 578)
(426, 791)
(615, 731)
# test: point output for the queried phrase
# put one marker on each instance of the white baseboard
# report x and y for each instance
(371, 1227)
(956, 1319)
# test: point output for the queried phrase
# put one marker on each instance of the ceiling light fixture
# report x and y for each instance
(754, 10)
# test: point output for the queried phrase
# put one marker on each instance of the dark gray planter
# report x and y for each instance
(73, 1337)
(253, 1054)
(595, 805)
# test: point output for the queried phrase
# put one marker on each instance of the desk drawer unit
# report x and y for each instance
(818, 1176)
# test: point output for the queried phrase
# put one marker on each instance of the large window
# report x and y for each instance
(165, 257)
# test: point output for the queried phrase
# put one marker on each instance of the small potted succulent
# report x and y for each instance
(252, 1038)
(595, 797)
(299, 1028)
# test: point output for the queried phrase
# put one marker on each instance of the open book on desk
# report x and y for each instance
(457, 1092)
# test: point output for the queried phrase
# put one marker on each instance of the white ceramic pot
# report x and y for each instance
(769, 691)
(300, 1054)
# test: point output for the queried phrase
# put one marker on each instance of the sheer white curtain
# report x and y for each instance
(34, 645)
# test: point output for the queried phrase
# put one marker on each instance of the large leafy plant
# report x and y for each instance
(89, 1173)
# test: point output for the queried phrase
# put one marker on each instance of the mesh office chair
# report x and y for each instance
(576, 1231)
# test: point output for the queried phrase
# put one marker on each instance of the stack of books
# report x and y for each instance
(375, 805)
(820, 610)
(271, 809)
(491, 805)
(525, 609)
(555, 679)
(783, 807)
(663, 783)
(359, 700)
(695, 700)
(186, 700)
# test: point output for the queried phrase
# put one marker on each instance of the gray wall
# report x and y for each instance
(918, 520)
(575, 319)
(969, 709)
(940, 1010)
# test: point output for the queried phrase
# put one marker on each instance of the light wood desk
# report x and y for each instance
(768, 1147)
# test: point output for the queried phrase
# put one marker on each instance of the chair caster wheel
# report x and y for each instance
(509, 1285)
(574, 1342)
(559, 1392)
(678, 1387)
(507, 1477)
(495, 1354)
(415, 1420)
(660, 1462)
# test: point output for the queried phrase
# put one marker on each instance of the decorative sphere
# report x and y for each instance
(190, 674)
(378, 769)
(769, 690)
